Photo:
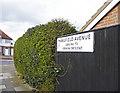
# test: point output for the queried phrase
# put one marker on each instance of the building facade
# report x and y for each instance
(111, 18)
(107, 15)
(6, 44)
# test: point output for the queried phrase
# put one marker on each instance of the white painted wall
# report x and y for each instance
(12, 51)
(0, 49)
(3, 42)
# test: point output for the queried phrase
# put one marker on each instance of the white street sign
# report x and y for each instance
(76, 43)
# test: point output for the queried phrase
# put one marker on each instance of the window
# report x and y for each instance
(6, 51)
(7, 41)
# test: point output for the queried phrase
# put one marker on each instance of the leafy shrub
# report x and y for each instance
(34, 53)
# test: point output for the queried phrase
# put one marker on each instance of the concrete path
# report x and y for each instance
(9, 82)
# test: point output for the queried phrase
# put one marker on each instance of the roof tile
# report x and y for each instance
(4, 36)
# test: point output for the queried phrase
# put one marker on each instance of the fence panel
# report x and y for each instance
(92, 71)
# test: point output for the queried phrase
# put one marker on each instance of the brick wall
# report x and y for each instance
(112, 18)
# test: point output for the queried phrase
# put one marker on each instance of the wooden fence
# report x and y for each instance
(92, 71)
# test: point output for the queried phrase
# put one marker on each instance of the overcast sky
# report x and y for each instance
(16, 16)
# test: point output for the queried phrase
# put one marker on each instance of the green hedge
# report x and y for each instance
(34, 53)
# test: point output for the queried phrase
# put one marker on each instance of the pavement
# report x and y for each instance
(9, 81)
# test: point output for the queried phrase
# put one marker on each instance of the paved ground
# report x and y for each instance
(9, 82)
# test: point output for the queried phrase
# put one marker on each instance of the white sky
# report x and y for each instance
(16, 16)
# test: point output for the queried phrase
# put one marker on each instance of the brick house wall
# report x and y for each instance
(6, 44)
(111, 18)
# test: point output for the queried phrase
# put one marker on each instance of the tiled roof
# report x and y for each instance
(97, 14)
(4, 36)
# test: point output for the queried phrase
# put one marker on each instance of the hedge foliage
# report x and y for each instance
(34, 53)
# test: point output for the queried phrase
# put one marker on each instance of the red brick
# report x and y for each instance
(113, 17)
